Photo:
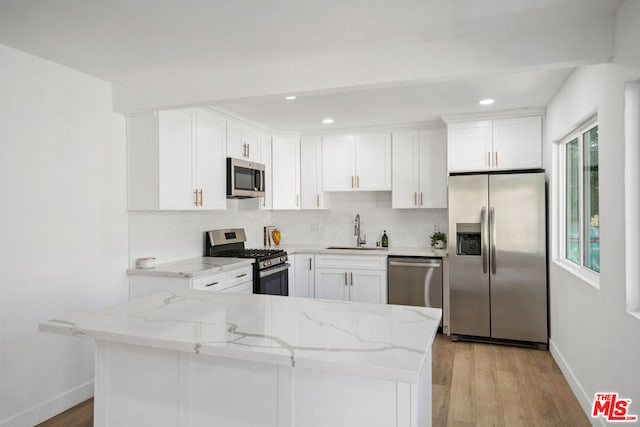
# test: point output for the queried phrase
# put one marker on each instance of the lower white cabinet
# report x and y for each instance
(351, 278)
(239, 280)
(304, 275)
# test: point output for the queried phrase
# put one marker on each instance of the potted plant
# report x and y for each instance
(438, 240)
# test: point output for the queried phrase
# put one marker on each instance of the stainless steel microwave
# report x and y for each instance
(244, 179)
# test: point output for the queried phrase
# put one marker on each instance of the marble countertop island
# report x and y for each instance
(376, 341)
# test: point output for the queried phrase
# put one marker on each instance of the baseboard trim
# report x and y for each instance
(584, 399)
(51, 407)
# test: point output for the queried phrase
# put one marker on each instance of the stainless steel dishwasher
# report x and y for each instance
(415, 281)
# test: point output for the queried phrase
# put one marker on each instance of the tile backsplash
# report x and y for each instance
(174, 235)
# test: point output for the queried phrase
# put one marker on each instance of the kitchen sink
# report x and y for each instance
(355, 248)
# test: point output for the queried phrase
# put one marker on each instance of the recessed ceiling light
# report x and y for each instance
(290, 97)
(327, 121)
(487, 101)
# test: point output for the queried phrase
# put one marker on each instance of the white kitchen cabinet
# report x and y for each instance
(285, 172)
(176, 161)
(243, 141)
(356, 163)
(311, 196)
(419, 169)
(498, 144)
(304, 275)
(238, 280)
(517, 143)
(351, 278)
(266, 202)
(332, 284)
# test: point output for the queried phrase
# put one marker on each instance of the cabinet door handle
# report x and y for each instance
(297, 200)
(248, 150)
(201, 193)
(351, 278)
(241, 275)
(488, 158)
(352, 181)
(415, 199)
(496, 159)
(196, 193)
(317, 202)
(358, 181)
(211, 284)
(421, 199)
(309, 263)
(345, 278)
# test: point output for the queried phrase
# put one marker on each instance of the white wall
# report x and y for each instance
(64, 228)
(171, 236)
(593, 339)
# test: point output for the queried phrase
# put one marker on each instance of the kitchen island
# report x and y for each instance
(194, 358)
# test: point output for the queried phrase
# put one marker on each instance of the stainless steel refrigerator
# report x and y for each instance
(498, 259)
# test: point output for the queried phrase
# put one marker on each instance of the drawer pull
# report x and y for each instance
(241, 275)
(211, 284)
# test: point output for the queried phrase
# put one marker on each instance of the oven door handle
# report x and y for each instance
(274, 270)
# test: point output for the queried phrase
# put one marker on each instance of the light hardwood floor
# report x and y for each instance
(473, 385)
(493, 385)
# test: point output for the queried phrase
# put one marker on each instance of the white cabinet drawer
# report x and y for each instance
(239, 275)
(243, 288)
(350, 262)
(213, 283)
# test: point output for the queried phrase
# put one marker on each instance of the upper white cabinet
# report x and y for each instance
(176, 161)
(285, 172)
(356, 162)
(311, 173)
(419, 169)
(498, 144)
(243, 141)
(517, 143)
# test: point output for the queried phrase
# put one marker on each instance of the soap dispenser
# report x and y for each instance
(385, 239)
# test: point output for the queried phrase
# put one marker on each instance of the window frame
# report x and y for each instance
(581, 270)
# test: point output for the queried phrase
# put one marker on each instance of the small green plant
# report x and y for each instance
(438, 235)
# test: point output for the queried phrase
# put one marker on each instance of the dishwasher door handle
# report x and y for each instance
(415, 264)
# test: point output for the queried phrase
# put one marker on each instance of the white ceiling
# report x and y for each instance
(142, 45)
(402, 104)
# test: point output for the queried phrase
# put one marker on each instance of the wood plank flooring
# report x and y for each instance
(473, 385)
(493, 385)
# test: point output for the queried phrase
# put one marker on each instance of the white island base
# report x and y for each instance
(142, 386)
(193, 358)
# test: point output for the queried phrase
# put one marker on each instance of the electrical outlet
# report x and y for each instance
(436, 227)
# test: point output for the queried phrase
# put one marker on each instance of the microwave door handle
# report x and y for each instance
(483, 238)
(261, 181)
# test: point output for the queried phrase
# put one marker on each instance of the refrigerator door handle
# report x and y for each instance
(483, 237)
(492, 215)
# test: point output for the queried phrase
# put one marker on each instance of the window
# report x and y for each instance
(581, 214)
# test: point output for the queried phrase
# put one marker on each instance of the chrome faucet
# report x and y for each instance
(356, 232)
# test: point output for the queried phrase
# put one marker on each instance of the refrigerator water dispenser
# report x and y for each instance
(468, 239)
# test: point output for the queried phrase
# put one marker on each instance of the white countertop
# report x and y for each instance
(401, 251)
(192, 267)
(379, 341)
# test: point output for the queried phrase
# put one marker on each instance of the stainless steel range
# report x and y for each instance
(270, 269)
